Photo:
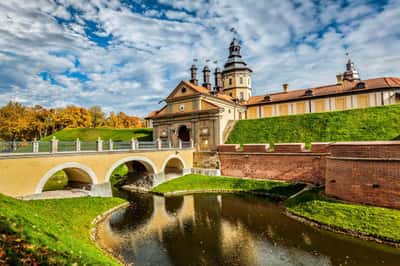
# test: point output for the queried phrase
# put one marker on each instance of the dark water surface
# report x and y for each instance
(228, 229)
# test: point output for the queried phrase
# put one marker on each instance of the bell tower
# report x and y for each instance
(236, 75)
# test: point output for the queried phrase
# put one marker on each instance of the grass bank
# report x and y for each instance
(91, 134)
(54, 232)
(195, 182)
(377, 123)
(381, 223)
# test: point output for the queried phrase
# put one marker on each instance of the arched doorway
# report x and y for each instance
(184, 133)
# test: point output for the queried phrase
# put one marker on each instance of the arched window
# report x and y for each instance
(230, 81)
(241, 80)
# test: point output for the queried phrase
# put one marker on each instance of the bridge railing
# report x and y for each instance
(56, 146)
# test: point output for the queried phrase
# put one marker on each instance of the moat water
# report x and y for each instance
(228, 229)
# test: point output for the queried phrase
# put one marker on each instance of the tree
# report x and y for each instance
(14, 121)
(98, 117)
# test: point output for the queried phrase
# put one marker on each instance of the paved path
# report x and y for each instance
(58, 194)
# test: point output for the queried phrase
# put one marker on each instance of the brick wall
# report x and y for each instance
(367, 173)
(289, 162)
(361, 172)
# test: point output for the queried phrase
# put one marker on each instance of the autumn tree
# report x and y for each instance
(98, 117)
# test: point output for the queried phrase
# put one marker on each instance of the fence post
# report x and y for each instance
(77, 145)
(133, 144)
(99, 144)
(191, 143)
(110, 145)
(54, 145)
(179, 143)
(169, 144)
(159, 146)
(35, 145)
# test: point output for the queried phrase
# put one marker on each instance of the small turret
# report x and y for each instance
(206, 78)
(351, 72)
(218, 80)
(193, 75)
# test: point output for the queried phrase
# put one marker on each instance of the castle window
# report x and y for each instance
(309, 92)
(230, 81)
(230, 94)
(182, 107)
(183, 90)
(241, 80)
(241, 96)
(360, 85)
(248, 81)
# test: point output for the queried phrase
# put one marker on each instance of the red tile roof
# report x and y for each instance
(345, 87)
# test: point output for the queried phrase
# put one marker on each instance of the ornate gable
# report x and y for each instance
(183, 89)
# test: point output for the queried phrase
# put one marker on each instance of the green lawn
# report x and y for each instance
(58, 181)
(377, 123)
(91, 134)
(52, 232)
(201, 182)
(375, 221)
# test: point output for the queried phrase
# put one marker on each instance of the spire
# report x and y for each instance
(234, 48)
(235, 61)
(351, 72)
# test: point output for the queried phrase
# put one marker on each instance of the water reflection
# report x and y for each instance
(228, 230)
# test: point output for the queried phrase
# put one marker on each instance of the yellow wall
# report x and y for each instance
(21, 175)
(188, 107)
(363, 101)
(252, 112)
(267, 110)
(319, 105)
(283, 109)
(340, 103)
(301, 108)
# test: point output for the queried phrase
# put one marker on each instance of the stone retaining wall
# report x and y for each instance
(361, 172)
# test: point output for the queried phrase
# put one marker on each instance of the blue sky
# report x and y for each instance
(128, 55)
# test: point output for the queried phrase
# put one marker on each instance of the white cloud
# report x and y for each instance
(298, 42)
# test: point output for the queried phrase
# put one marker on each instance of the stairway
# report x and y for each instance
(228, 129)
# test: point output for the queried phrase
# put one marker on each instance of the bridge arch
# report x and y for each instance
(147, 163)
(173, 166)
(71, 168)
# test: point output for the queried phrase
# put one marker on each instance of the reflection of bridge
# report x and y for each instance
(26, 173)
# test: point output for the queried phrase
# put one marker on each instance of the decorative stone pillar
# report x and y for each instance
(159, 144)
(191, 143)
(133, 144)
(35, 145)
(99, 144)
(54, 145)
(179, 144)
(110, 145)
(77, 145)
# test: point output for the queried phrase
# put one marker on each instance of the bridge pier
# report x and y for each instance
(101, 190)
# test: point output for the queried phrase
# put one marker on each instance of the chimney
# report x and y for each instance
(339, 79)
(206, 77)
(218, 80)
(285, 87)
(193, 74)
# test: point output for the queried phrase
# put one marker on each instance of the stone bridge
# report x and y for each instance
(24, 174)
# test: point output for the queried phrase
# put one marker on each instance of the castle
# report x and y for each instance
(205, 114)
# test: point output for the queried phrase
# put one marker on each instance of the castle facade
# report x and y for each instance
(205, 114)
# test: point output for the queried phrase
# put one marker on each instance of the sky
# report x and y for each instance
(129, 55)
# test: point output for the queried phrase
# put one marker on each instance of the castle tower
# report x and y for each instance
(351, 72)
(236, 75)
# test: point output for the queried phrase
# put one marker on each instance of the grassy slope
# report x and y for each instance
(374, 221)
(91, 134)
(377, 123)
(61, 225)
(196, 182)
